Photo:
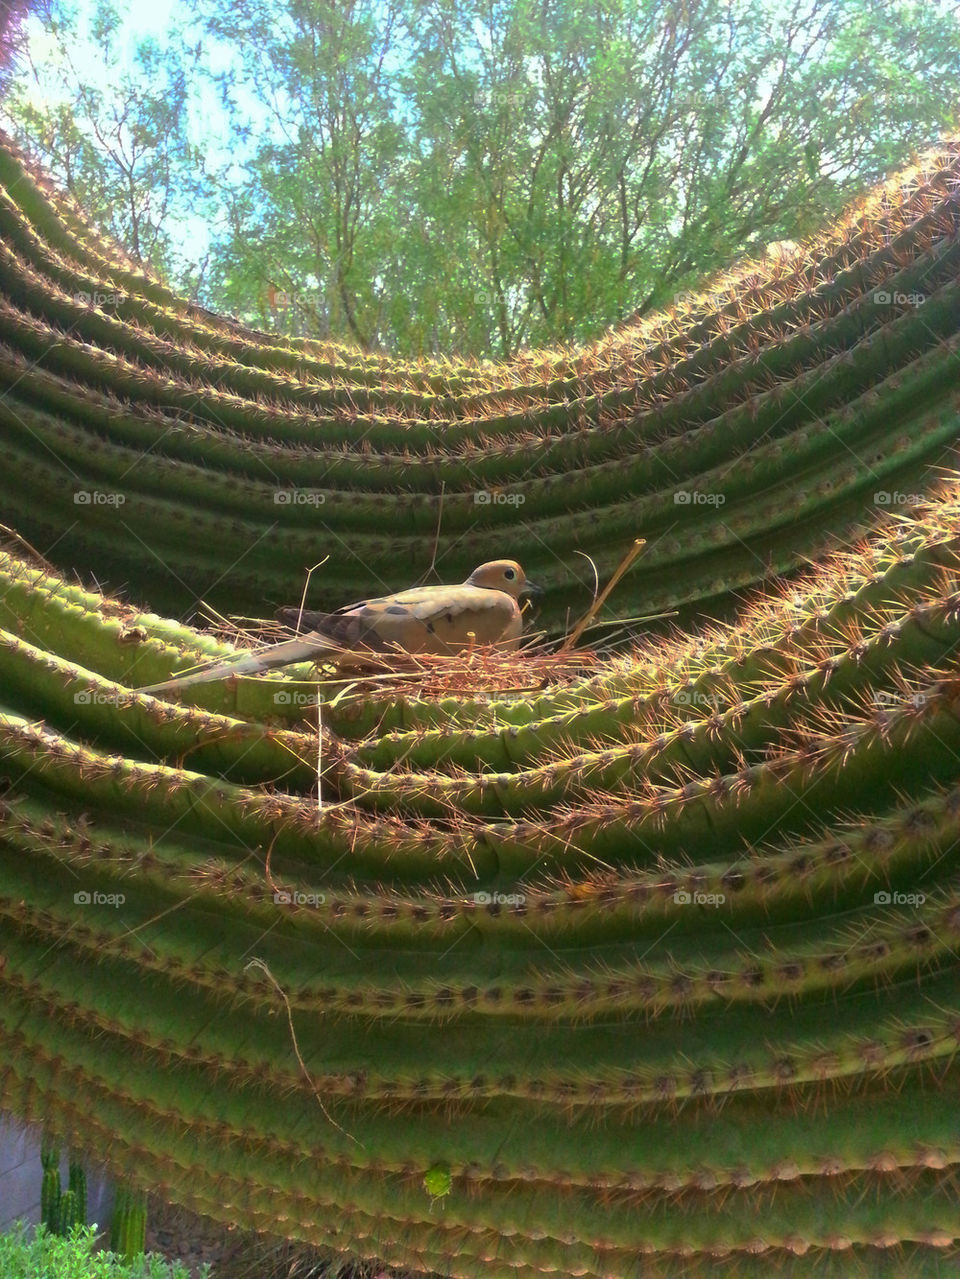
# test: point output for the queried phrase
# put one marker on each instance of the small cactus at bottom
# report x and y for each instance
(68, 1214)
(50, 1199)
(50, 1186)
(78, 1188)
(128, 1230)
(61, 1210)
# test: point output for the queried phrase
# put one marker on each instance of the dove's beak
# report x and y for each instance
(531, 588)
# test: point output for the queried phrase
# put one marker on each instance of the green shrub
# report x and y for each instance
(25, 1256)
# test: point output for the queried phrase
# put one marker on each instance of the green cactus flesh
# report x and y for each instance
(78, 1188)
(129, 1224)
(50, 1198)
(645, 966)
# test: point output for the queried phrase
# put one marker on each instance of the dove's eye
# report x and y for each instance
(509, 574)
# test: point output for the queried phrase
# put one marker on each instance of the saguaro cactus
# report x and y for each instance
(68, 1213)
(741, 436)
(78, 1188)
(50, 1188)
(649, 968)
(61, 1210)
(128, 1228)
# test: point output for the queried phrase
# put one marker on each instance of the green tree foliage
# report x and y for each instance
(423, 176)
(126, 153)
(12, 14)
(312, 227)
(589, 160)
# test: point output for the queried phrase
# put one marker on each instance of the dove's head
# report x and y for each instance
(503, 575)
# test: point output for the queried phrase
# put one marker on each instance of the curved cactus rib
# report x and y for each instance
(813, 336)
(926, 207)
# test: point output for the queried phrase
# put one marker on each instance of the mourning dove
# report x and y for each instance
(423, 619)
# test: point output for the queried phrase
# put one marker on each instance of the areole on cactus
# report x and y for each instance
(645, 964)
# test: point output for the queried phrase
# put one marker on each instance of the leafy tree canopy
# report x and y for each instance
(430, 176)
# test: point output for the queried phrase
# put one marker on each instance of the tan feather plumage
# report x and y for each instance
(421, 619)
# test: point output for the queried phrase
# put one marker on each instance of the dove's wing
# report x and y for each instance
(424, 619)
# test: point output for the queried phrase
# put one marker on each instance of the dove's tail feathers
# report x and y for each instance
(282, 654)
